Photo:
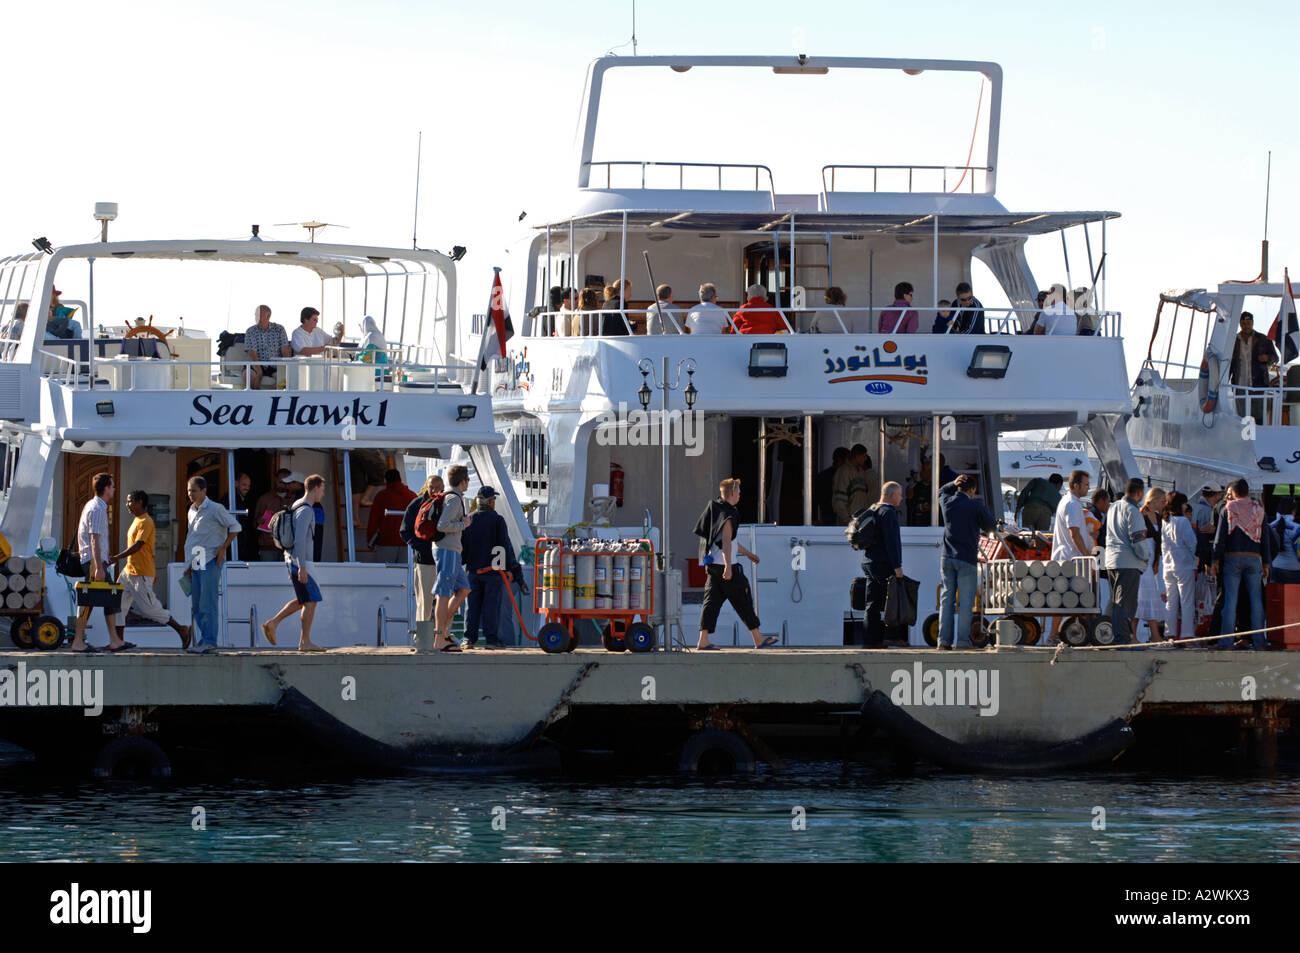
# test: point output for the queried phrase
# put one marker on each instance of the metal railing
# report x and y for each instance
(967, 170)
(837, 319)
(681, 168)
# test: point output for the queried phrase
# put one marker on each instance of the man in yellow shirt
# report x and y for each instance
(137, 577)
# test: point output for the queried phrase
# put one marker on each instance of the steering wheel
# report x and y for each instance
(148, 329)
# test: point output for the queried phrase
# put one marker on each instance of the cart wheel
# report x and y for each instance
(20, 632)
(1103, 633)
(610, 638)
(1031, 630)
(1074, 631)
(48, 633)
(553, 638)
(981, 633)
(573, 642)
(640, 637)
(930, 629)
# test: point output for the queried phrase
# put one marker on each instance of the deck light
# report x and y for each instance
(457, 252)
(643, 392)
(989, 360)
(691, 392)
(466, 411)
(768, 359)
(43, 244)
(104, 408)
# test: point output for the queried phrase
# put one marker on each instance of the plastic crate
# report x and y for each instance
(100, 595)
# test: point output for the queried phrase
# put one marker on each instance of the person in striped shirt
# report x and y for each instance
(92, 546)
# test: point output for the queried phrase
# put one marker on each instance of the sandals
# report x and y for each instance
(767, 642)
(450, 647)
(122, 648)
(88, 650)
(268, 632)
(311, 647)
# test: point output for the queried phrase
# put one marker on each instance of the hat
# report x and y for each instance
(295, 477)
(1210, 488)
(486, 493)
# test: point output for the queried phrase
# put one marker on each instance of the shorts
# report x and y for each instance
(451, 573)
(304, 592)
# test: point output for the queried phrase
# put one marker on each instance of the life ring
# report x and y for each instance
(132, 756)
(1207, 382)
(716, 752)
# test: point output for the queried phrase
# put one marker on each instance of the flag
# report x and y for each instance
(497, 333)
(1288, 340)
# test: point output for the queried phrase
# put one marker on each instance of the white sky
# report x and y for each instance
(199, 122)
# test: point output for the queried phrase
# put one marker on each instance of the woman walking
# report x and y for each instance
(1151, 606)
(1178, 539)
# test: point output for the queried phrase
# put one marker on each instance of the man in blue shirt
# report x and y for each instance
(884, 558)
(486, 550)
(963, 518)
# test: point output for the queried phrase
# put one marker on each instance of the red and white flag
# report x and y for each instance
(497, 336)
(1285, 332)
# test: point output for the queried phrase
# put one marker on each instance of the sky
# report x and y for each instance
(200, 120)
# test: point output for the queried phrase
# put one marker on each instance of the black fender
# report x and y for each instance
(1101, 745)
(135, 750)
(728, 742)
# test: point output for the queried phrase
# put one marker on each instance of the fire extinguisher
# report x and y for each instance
(616, 482)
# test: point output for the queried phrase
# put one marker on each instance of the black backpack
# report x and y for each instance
(863, 529)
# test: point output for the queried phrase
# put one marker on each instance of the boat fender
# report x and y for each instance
(1104, 744)
(334, 734)
(1207, 382)
(133, 756)
(708, 746)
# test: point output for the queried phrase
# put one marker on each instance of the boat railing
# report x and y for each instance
(967, 174)
(829, 319)
(400, 368)
(652, 169)
(1270, 406)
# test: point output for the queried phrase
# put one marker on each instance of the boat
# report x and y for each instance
(154, 404)
(771, 408)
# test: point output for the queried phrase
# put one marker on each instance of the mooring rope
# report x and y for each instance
(1162, 644)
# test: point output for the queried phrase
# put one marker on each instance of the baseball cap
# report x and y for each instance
(1210, 488)
(295, 477)
(486, 493)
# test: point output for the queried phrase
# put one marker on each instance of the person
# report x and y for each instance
(1070, 537)
(720, 554)
(615, 302)
(1085, 312)
(426, 567)
(919, 490)
(1286, 564)
(374, 346)
(964, 518)
(1094, 515)
(1124, 559)
(566, 322)
(242, 504)
(707, 317)
(1036, 322)
(1151, 607)
(452, 585)
(828, 320)
(942, 317)
(756, 316)
(92, 547)
(901, 317)
(854, 487)
(138, 574)
(1252, 353)
(383, 532)
(310, 340)
(278, 497)
(1038, 501)
(882, 559)
(299, 562)
(1178, 540)
(13, 329)
(1203, 521)
(585, 321)
(318, 533)
(659, 317)
(209, 529)
(487, 553)
(969, 319)
(1247, 552)
(60, 323)
(265, 341)
(1057, 317)
(824, 487)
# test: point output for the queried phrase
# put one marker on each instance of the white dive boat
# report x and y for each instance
(1191, 423)
(154, 414)
(771, 408)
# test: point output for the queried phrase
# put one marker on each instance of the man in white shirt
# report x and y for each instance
(659, 317)
(209, 529)
(309, 340)
(92, 546)
(1070, 538)
(706, 317)
(1057, 317)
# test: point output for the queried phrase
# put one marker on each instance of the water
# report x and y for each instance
(852, 814)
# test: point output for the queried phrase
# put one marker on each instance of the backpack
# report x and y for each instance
(281, 527)
(862, 529)
(427, 516)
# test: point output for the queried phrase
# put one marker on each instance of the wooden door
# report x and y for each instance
(79, 470)
(192, 462)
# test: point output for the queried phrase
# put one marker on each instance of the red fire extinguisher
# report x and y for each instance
(616, 482)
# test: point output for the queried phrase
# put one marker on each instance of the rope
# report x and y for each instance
(971, 151)
(1164, 643)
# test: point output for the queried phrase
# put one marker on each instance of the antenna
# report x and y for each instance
(1263, 254)
(415, 225)
(310, 226)
(634, 27)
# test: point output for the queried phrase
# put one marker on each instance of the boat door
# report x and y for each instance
(78, 471)
(192, 462)
(761, 269)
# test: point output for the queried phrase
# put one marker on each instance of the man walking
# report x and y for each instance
(426, 568)
(855, 485)
(881, 559)
(384, 533)
(452, 586)
(210, 528)
(92, 546)
(487, 553)
(1070, 537)
(1124, 559)
(138, 575)
(964, 517)
(720, 554)
(306, 593)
